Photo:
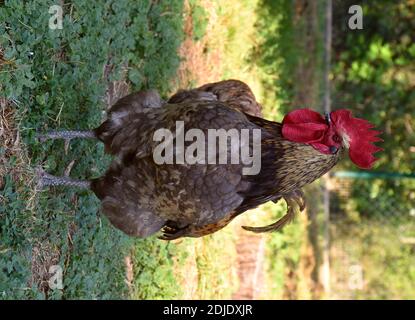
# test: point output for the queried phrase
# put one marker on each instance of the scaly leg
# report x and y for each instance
(46, 179)
(67, 135)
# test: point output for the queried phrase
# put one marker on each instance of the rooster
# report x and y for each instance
(142, 197)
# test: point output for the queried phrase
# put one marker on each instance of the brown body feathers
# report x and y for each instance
(141, 197)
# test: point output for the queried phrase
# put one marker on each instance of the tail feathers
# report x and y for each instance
(295, 203)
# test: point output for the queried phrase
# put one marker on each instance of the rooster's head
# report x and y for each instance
(338, 130)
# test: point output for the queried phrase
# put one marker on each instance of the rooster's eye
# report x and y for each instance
(336, 138)
(333, 149)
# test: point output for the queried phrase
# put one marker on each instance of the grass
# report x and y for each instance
(66, 77)
(208, 268)
(224, 50)
(384, 252)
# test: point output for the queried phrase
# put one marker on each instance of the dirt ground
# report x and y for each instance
(201, 66)
(251, 272)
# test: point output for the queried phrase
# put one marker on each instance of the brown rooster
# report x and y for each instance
(141, 196)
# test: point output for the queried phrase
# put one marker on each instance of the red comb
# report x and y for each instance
(360, 135)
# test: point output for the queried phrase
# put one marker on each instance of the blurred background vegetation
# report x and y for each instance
(372, 226)
(48, 78)
(374, 72)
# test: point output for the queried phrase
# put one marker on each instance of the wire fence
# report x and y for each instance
(372, 235)
(368, 223)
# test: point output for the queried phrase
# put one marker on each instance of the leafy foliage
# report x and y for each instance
(374, 75)
(276, 53)
(62, 85)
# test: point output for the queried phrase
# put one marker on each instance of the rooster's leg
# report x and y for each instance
(67, 135)
(46, 179)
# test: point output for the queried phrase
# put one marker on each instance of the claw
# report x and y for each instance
(41, 138)
(172, 233)
(170, 229)
(43, 178)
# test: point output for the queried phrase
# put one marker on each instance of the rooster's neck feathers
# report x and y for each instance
(285, 166)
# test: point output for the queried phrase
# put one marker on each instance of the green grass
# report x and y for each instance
(62, 87)
(200, 19)
(283, 255)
